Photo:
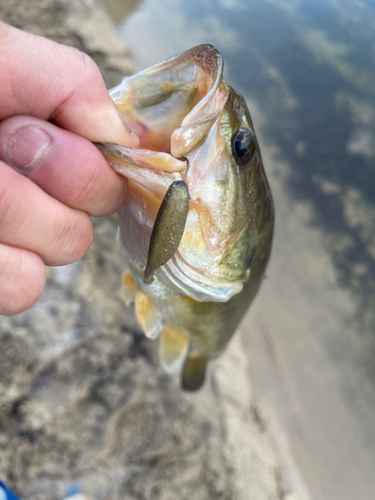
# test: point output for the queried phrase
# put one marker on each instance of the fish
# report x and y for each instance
(216, 242)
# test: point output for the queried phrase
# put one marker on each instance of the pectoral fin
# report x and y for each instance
(173, 347)
(193, 372)
(129, 288)
(147, 315)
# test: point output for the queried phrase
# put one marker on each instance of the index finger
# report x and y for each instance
(53, 82)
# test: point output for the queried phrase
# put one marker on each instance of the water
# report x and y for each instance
(307, 71)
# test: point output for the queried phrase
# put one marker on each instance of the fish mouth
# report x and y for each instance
(172, 105)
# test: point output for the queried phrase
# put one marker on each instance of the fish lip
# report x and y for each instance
(128, 162)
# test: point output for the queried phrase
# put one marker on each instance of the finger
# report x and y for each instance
(53, 82)
(66, 166)
(31, 219)
(22, 278)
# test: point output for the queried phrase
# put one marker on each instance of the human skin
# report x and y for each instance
(53, 105)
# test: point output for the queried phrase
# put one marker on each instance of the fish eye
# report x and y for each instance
(244, 145)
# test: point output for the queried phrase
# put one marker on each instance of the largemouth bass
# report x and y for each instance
(183, 111)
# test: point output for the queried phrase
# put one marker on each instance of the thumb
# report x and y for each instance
(58, 83)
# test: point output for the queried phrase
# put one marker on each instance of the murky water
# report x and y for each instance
(307, 70)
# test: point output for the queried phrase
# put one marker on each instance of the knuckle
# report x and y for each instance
(83, 76)
(87, 67)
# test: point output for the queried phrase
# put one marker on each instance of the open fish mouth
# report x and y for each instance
(179, 108)
(172, 105)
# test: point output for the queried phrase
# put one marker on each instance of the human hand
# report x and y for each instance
(51, 176)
